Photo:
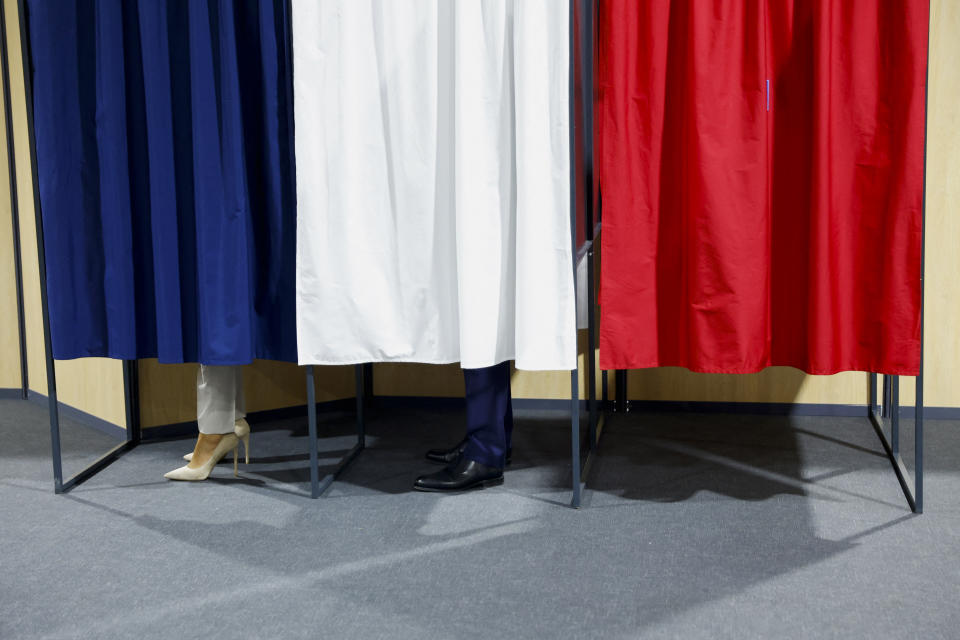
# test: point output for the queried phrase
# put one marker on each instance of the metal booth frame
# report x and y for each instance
(583, 445)
(581, 105)
(887, 407)
(131, 390)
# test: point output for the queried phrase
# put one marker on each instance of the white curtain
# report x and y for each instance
(433, 182)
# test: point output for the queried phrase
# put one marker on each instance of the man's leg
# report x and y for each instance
(488, 413)
(489, 424)
(508, 418)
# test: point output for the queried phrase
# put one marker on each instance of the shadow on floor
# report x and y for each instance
(688, 513)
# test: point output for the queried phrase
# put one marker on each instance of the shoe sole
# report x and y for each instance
(483, 484)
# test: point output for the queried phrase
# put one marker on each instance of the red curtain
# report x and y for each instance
(760, 164)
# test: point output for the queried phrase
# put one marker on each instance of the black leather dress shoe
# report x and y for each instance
(460, 476)
(449, 456)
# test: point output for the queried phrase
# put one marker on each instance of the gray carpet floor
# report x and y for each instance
(693, 527)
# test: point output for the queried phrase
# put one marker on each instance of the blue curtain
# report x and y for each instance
(165, 155)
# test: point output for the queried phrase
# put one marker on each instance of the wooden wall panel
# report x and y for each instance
(9, 329)
(168, 392)
(28, 234)
(942, 371)
(93, 385)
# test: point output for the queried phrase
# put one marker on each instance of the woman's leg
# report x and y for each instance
(219, 398)
(219, 418)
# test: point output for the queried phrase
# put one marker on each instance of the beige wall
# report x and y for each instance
(28, 246)
(9, 331)
(942, 326)
(168, 393)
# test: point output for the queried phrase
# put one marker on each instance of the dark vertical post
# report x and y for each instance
(575, 373)
(14, 202)
(361, 397)
(918, 443)
(368, 382)
(872, 392)
(585, 60)
(895, 414)
(616, 391)
(605, 389)
(591, 354)
(620, 403)
(312, 434)
(41, 254)
(919, 406)
(575, 436)
(887, 398)
(131, 395)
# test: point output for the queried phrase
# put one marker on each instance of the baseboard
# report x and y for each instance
(784, 409)
(419, 402)
(183, 429)
(448, 403)
(933, 413)
(665, 406)
(751, 408)
(84, 418)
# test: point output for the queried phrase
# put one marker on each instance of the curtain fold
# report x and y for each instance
(433, 168)
(164, 151)
(761, 166)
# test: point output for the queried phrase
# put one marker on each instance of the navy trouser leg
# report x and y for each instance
(508, 419)
(489, 414)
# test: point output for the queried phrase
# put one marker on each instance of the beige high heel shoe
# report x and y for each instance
(227, 442)
(242, 430)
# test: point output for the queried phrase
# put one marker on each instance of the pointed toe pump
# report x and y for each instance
(227, 443)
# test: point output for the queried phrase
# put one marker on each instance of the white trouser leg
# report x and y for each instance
(219, 398)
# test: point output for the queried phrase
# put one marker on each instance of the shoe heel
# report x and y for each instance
(246, 448)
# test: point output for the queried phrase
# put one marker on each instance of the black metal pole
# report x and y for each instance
(605, 389)
(575, 437)
(616, 391)
(895, 414)
(368, 383)
(887, 397)
(312, 434)
(572, 141)
(361, 390)
(14, 202)
(621, 402)
(918, 440)
(131, 395)
(585, 60)
(919, 404)
(41, 254)
(591, 354)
